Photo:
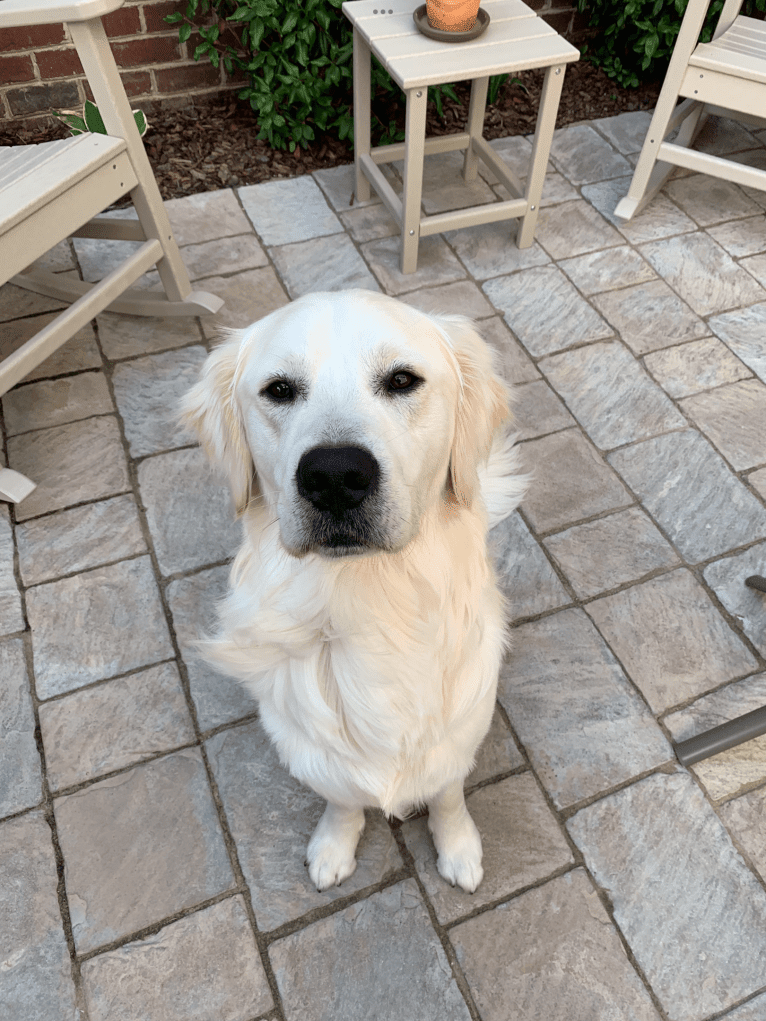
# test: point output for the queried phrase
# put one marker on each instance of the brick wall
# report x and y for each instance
(40, 70)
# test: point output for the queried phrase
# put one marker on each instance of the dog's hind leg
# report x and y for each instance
(457, 840)
(332, 848)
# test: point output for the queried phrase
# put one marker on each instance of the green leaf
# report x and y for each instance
(141, 122)
(290, 22)
(184, 32)
(93, 118)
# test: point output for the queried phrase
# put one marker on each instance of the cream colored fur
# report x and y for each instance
(374, 666)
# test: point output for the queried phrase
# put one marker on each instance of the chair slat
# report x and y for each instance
(33, 179)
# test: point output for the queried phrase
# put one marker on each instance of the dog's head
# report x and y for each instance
(349, 414)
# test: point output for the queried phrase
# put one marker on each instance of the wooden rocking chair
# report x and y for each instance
(725, 76)
(54, 190)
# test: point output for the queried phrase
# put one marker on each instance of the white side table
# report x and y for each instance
(515, 40)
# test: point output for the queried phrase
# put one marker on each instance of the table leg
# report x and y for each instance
(546, 122)
(361, 71)
(414, 147)
(475, 125)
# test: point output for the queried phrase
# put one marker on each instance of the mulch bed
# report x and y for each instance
(215, 144)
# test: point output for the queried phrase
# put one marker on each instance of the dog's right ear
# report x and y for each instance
(211, 410)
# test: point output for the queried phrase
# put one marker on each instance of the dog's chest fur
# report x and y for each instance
(375, 685)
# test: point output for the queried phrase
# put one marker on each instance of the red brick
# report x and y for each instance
(125, 21)
(137, 83)
(40, 98)
(148, 50)
(59, 63)
(187, 76)
(155, 12)
(30, 37)
(16, 69)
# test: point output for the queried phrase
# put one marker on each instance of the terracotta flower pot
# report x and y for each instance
(452, 15)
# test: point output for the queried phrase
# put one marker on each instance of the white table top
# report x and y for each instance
(515, 40)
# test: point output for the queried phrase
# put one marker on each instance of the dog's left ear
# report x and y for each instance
(483, 405)
(211, 410)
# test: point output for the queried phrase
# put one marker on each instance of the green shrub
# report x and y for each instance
(636, 37)
(298, 59)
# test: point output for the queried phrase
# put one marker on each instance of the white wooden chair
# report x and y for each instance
(725, 76)
(52, 191)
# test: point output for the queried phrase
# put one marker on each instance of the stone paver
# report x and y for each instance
(574, 228)
(607, 270)
(695, 366)
(201, 529)
(148, 392)
(36, 980)
(690, 909)
(333, 971)
(84, 627)
(151, 844)
(139, 847)
(20, 773)
(702, 273)
(734, 419)
(203, 966)
(604, 736)
(73, 463)
(561, 958)
(273, 206)
(686, 486)
(114, 725)
(727, 579)
(735, 769)
(569, 319)
(576, 483)
(610, 552)
(610, 395)
(271, 817)
(667, 663)
(74, 540)
(54, 402)
(525, 574)
(521, 842)
(583, 156)
(649, 316)
(192, 600)
(322, 264)
(11, 614)
(742, 331)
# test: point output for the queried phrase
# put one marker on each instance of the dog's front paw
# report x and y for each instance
(459, 854)
(331, 851)
(329, 868)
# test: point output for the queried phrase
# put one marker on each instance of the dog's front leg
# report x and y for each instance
(457, 840)
(333, 845)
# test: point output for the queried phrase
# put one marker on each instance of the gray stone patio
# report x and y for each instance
(152, 848)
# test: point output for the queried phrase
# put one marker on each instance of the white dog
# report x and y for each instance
(366, 445)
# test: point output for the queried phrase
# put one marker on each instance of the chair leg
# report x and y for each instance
(663, 113)
(361, 114)
(100, 69)
(541, 150)
(650, 175)
(414, 151)
(475, 126)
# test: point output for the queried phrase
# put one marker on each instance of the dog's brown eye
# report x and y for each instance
(280, 390)
(402, 381)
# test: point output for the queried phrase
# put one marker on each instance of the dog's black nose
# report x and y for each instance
(336, 479)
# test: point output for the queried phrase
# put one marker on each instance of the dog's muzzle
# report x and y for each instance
(336, 480)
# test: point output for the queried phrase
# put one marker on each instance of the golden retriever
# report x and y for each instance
(366, 445)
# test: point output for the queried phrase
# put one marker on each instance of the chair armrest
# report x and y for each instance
(19, 13)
